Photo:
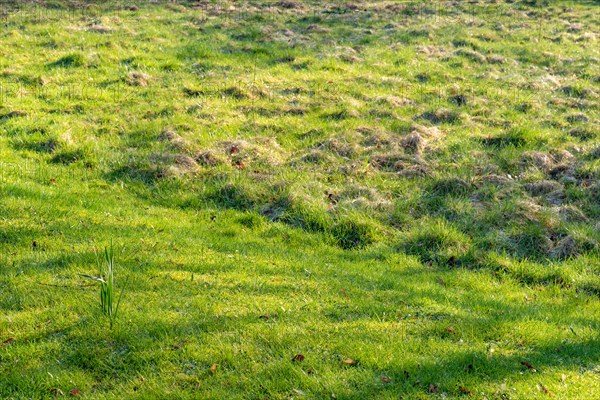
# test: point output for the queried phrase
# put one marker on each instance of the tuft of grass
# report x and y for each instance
(350, 233)
(436, 241)
(109, 302)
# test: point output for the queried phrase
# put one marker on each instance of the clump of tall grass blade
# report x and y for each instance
(108, 302)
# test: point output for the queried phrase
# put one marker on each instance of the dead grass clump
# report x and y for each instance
(99, 29)
(562, 155)
(378, 140)
(495, 179)
(315, 156)
(582, 133)
(496, 59)
(565, 248)
(441, 115)
(429, 132)
(556, 197)
(362, 197)
(374, 137)
(287, 36)
(570, 213)
(575, 91)
(577, 117)
(538, 159)
(171, 165)
(560, 163)
(317, 29)
(394, 101)
(413, 143)
(185, 163)
(431, 51)
(388, 161)
(169, 135)
(339, 147)
(209, 158)
(236, 93)
(417, 140)
(290, 5)
(565, 171)
(412, 171)
(137, 78)
(264, 151)
(349, 58)
(542, 187)
(295, 110)
(572, 246)
(173, 139)
(353, 169)
(471, 55)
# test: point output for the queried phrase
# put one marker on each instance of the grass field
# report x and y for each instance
(307, 199)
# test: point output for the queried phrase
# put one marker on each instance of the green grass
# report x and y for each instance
(109, 301)
(414, 187)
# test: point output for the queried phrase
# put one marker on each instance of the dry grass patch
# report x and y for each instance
(137, 78)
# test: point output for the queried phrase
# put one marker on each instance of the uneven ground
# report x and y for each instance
(406, 194)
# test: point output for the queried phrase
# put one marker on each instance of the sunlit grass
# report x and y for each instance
(411, 188)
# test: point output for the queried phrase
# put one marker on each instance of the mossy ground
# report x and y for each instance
(411, 186)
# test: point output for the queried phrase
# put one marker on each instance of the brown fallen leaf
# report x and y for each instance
(344, 293)
(213, 369)
(349, 361)
(56, 392)
(465, 390)
(528, 365)
(298, 358)
(386, 379)
(7, 341)
(450, 330)
(544, 389)
(432, 388)
(74, 392)
(529, 298)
